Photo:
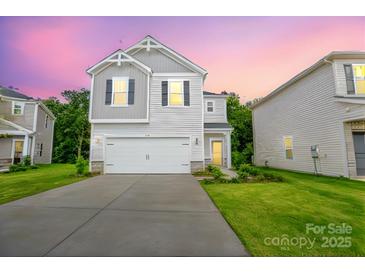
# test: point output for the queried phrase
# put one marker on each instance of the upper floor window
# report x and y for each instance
(176, 93)
(359, 78)
(18, 108)
(288, 146)
(46, 121)
(355, 79)
(120, 91)
(210, 106)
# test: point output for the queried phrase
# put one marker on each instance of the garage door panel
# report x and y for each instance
(147, 155)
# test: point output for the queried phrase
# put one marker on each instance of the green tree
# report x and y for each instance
(72, 128)
(240, 118)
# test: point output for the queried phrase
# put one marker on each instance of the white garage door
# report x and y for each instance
(147, 155)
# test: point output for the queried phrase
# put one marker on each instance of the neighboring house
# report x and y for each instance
(149, 114)
(316, 121)
(26, 128)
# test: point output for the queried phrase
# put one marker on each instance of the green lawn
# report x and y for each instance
(263, 215)
(17, 185)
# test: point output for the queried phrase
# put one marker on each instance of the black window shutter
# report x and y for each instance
(186, 93)
(131, 92)
(164, 92)
(349, 79)
(108, 92)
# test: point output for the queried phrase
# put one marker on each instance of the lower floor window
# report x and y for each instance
(288, 145)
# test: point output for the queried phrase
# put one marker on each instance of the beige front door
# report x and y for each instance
(217, 153)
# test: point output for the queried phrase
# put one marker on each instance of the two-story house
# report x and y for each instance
(149, 114)
(26, 128)
(315, 122)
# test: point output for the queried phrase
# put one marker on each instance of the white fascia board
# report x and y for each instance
(46, 109)
(216, 96)
(219, 130)
(176, 74)
(20, 128)
(13, 132)
(118, 121)
(120, 53)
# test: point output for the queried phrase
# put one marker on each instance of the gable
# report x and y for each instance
(163, 58)
(159, 62)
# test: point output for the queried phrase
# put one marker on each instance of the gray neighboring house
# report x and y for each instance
(316, 120)
(26, 128)
(149, 113)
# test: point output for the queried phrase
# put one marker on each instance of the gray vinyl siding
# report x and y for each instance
(220, 111)
(338, 67)
(307, 111)
(136, 111)
(26, 120)
(43, 136)
(5, 148)
(159, 62)
(164, 121)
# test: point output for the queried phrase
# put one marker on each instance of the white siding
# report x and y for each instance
(307, 111)
(136, 111)
(164, 121)
(220, 111)
(159, 62)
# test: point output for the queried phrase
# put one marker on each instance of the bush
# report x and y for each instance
(235, 180)
(210, 168)
(242, 157)
(249, 169)
(81, 165)
(16, 168)
(34, 167)
(26, 161)
(272, 177)
(260, 178)
(217, 173)
(243, 175)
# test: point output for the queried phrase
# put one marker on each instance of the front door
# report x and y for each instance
(217, 153)
(359, 145)
(18, 151)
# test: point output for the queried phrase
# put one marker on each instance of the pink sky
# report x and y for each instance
(251, 56)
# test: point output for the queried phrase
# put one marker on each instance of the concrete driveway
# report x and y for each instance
(118, 215)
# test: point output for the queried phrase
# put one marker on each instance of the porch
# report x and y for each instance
(217, 144)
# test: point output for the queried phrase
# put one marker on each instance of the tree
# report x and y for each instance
(240, 118)
(72, 128)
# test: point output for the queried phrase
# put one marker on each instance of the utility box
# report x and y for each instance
(315, 151)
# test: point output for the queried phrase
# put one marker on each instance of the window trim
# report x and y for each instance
(292, 147)
(213, 106)
(127, 91)
(168, 93)
(354, 78)
(22, 104)
(46, 119)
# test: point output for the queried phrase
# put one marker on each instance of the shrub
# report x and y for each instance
(273, 177)
(237, 159)
(217, 173)
(81, 165)
(243, 175)
(34, 167)
(249, 169)
(234, 180)
(16, 168)
(210, 168)
(26, 161)
(260, 178)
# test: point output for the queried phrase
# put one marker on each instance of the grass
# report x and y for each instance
(17, 185)
(263, 213)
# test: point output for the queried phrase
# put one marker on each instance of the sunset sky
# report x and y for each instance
(251, 56)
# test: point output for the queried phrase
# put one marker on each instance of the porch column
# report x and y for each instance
(25, 145)
(228, 138)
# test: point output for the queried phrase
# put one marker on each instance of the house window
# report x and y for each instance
(176, 93)
(40, 149)
(46, 122)
(18, 108)
(210, 106)
(288, 145)
(120, 91)
(359, 78)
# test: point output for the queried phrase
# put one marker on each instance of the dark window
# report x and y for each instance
(40, 150)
